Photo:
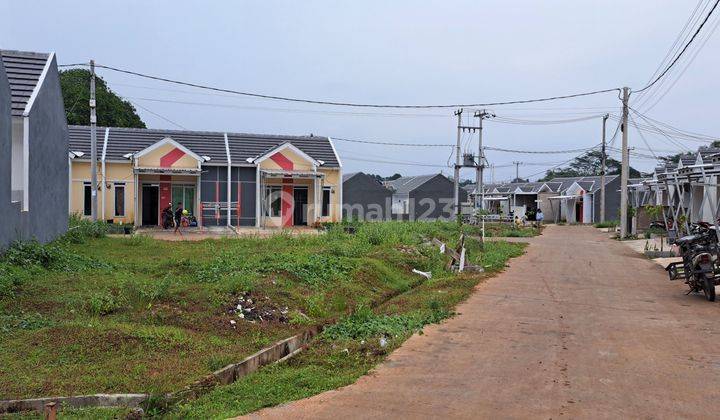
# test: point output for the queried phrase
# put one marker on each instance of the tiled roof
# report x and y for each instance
(23, 72)
(405, 184)
(122, 141)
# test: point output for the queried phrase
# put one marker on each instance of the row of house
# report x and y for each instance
(222, 179)
(566, 199)
(686, 190)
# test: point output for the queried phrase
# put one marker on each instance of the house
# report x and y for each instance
(424, 197)
(365, 198)
(222, 179)
(33, 148)
(578, 199)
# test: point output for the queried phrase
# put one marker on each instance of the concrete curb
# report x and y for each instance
(280, 351)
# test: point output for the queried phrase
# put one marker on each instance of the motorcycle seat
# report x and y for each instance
(686, 239)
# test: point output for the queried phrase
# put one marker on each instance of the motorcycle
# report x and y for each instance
(698, 267)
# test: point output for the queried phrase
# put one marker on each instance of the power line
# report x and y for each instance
(540, 152)
(392, 143)
(349, 104)
(661, 75)
(392, 162)
(156, 114)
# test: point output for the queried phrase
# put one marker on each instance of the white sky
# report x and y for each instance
(405, 52)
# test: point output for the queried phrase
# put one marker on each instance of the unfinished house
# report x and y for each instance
(424, 197)
(365, 198)
(222, 179)
(33, 148)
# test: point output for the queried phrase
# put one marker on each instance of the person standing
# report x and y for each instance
(539, 217)
(178, 217)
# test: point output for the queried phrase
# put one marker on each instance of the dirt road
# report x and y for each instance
(579, 327)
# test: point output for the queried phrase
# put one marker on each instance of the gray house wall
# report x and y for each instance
(434, 199)
(47, 165)
(365, 198)
(612, 201)
(213, 195)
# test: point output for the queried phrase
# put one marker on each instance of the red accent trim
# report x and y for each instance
(165, 195)
(282, 161)
(171, 157)
(287, 204)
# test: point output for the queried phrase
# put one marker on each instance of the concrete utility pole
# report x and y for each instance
(93, 146)
(517, 170)
(625, 165)
(480, 170)
(602, 171)
(456, 180)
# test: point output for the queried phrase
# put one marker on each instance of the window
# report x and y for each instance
(119, 200)
(273, 200)
(87, 201)
(326, 202)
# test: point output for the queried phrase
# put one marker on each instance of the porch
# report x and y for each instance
(289, 198)
(156, 189)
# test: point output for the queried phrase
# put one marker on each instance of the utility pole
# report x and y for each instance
(602, 171)
(625, 165)
(517, 170)
(480, 170)
(93, 146)
(456, 179)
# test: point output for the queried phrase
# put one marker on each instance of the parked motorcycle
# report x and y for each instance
(699, 265)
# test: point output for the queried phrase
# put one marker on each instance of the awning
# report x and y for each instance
(560, 197)
(495, 198)
(291, 174)
(167, 171)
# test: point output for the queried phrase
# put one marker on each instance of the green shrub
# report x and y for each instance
(23, 321)
(105, 303)
(11, 278)
(52, 256)
(607, 224)
(364, 324)
(80, 230)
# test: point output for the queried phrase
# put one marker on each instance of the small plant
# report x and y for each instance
(105, 303)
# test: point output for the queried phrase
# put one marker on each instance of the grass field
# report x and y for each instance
(92, 314)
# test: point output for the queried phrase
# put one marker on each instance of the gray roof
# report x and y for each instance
(586, 185)
(405, 184)
(23, 72)
(204, 143)
(349, 175)
(554, 186)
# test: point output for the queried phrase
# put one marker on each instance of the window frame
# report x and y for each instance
(269, 202)
(115, 199)
(325, 206)
(87, 198)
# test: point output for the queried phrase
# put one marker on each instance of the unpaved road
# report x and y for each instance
(579, 327)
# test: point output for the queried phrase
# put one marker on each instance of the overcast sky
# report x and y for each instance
(401, 52)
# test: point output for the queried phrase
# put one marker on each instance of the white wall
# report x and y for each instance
(17, 161)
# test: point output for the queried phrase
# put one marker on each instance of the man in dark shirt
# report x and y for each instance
(178, 217)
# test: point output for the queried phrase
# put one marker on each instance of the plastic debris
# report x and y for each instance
(426, 274)
(383, 342)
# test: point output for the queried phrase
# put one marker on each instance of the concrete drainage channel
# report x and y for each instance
(282, 350)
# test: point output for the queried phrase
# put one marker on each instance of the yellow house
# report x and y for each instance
(222, 179)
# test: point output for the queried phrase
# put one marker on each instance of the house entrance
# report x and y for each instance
(150, 205)
(300, 199)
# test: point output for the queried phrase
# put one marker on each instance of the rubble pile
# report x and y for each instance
(246, 307)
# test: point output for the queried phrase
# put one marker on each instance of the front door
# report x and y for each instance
(300, 198)
(150, 205)
(579, 211)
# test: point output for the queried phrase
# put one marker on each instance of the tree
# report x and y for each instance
(112, 110)
(589, 164)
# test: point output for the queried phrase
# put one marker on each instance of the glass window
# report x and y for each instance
(326, 202)
(87, 199)
(119, 200)
(273, 201)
